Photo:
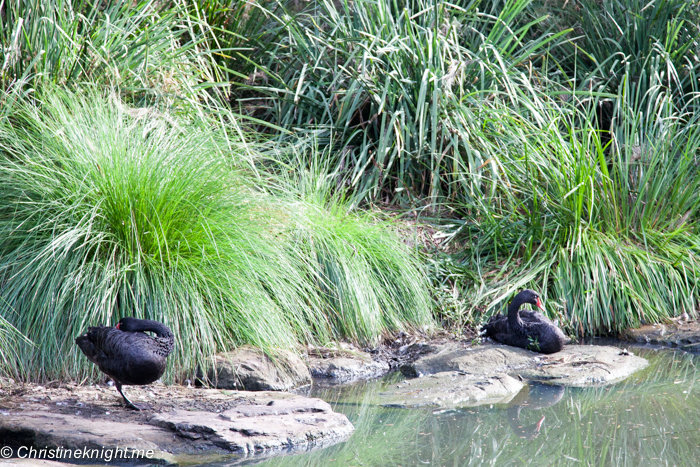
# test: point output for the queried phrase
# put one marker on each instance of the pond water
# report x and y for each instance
(652, 418)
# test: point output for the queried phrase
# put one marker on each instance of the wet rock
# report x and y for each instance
(576, 365)
(249, 368)
(263, 424)
(482, 360)
(344, 366)
(584, 365)
(187, 425)
(418, 349)
(679, 333)
(451, 389)
(403, 350)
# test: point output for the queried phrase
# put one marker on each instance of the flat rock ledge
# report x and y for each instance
(460, 376)
(343, 365)
(575, 365)
(451, 389)
(186, 424)
(681, 334)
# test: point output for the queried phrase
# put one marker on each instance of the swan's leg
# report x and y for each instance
(130, 404)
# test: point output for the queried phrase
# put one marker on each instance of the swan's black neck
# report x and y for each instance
(513, 312)
(136, 325)
(160, 330)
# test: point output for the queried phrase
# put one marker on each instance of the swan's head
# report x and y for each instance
(531, 297)
(128, 324)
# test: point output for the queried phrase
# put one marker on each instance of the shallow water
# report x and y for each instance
(652, 418)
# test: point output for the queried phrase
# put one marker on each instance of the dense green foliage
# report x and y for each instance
(392, 86)
(552, 146)
(631, 40)
(104, 214)
(156, 52)
(556, 147)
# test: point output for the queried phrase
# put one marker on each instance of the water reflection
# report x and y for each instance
(648, 419)
(535, 396)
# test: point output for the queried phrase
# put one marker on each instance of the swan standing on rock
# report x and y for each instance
(526, 329)
(127, 354)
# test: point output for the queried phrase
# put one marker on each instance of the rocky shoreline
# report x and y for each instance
(236, 424)
(184, 424)
(677, 333)
(245, 412)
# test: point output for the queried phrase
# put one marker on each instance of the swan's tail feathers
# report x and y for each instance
(91, 344)
(493, 326)
(87, 347)
(486, 329)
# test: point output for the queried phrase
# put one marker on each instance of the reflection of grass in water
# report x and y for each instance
(641, 421)
(635, 422)
(382, 436)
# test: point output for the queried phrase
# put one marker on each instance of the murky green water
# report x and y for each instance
(650, 419)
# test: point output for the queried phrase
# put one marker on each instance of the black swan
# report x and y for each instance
(526, 329)
(127, 354)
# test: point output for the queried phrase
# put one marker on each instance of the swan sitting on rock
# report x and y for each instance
(524, 328)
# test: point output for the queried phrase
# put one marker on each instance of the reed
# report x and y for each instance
(156, 53)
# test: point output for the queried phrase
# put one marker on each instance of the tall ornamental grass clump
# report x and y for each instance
(626, 43)
(369, 281)
(104, 215)
(588, 194)
(546, 150)
(615, 39)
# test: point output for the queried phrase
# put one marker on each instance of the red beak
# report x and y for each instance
(540, 305)
(117, 326)
(539, 424)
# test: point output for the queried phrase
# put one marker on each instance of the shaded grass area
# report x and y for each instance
(616, 40)
(106, 215)
(391, 86)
